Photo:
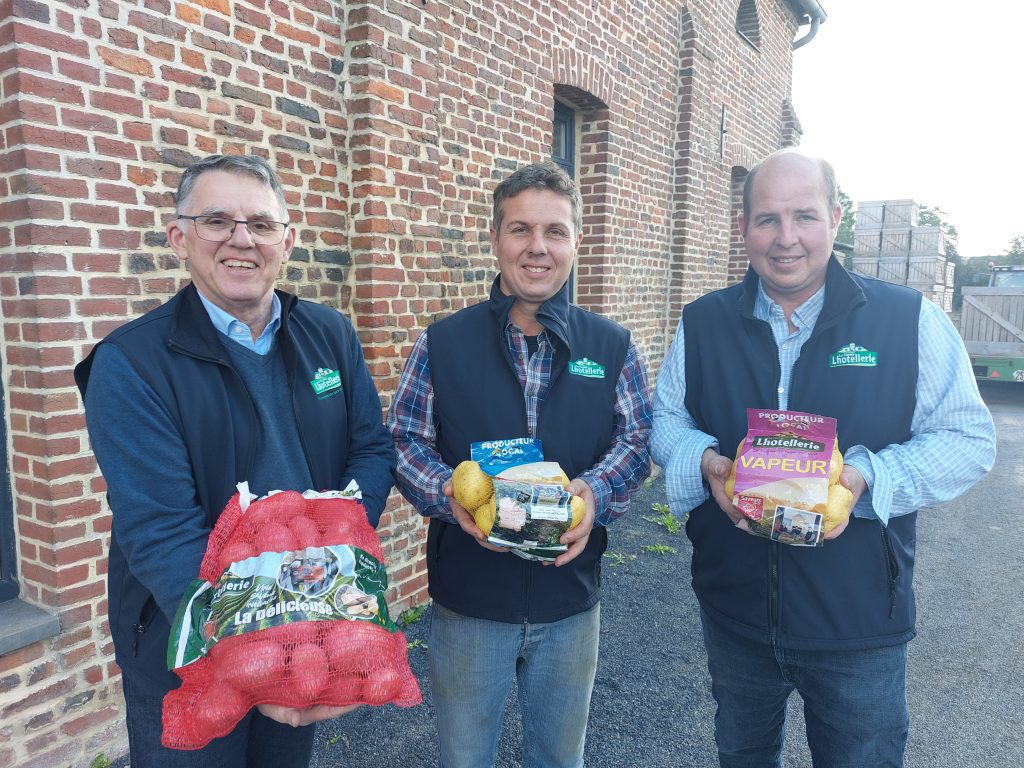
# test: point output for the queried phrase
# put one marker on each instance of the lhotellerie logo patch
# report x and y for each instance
(586, 368)
(853, 355)
(326, 383)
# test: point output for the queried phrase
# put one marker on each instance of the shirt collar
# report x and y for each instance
(804, 316)
(238, 331)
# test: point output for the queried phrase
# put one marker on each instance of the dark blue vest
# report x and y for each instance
(177, 350)
(855, 591)
(477, 396)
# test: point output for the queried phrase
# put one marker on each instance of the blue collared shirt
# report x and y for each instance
(950, 419)
(238, 331)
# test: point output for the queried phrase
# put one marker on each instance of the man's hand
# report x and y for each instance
(715, 469)
(466, 521)
(297, 717)
(576, 538)
(853, 480)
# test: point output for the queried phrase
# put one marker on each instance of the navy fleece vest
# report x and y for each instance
(177, 350)
(477, 396)
(856, 590)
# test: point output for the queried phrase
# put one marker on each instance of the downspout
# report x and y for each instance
(817, 14)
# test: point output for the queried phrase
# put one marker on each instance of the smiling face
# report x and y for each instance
(790, 228)
(535, 248)
(237, 275)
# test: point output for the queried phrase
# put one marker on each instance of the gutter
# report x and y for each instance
(813, 11)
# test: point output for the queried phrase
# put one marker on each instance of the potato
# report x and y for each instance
(471, 485)
(837, 508)
(579, 509)
(484, 515)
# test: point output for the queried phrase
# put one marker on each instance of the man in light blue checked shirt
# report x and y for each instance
(831, 622)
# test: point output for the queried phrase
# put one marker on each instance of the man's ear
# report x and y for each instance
(176, 238)
(290, 236)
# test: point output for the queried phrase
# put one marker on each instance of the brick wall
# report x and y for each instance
(390, 122)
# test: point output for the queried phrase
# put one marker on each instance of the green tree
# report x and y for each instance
(936, 217)
(845, 234)
(1016, 249)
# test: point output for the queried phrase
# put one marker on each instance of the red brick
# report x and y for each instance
(126, 62)
(39, 234)
(45, 88)
(47, 137)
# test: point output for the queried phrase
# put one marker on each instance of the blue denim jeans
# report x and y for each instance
(473, 663)
(256, 742)
(855, 702)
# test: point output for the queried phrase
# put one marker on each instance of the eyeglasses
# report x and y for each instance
(219, 229)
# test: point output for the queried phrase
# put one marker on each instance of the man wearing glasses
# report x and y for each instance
(229, 380)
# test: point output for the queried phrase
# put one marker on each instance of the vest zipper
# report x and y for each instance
(893, 568)
(146, 616)
(773, 592)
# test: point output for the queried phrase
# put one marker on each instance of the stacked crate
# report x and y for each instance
(889, 244)
(927, 267)
(867, 237)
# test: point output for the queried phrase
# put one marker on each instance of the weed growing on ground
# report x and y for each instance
(411, 616)
(664, 518)
(660, 549)
(617, 558)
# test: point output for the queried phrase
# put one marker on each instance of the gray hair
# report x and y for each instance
(828, 179)
(543, 176)
(249, 165)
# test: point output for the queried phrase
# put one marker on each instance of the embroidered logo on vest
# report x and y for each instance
(326, 383)
(587, 369)
(853, 355)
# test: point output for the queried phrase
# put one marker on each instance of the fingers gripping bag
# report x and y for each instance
(785, 479)
(288, 609)
(516, 498)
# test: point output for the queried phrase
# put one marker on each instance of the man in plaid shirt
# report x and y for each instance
(523, 364)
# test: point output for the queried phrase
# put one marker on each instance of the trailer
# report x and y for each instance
(992, 325)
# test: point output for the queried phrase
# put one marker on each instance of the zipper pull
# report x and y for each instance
(137, 629)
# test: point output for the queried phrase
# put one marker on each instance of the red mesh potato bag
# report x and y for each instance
(288, 609)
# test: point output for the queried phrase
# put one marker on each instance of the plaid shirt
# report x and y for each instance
(422, 473)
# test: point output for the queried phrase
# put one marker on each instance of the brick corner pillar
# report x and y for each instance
(395, 199)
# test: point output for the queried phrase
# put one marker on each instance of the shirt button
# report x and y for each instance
(781, 390)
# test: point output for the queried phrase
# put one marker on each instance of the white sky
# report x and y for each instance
(922, 100)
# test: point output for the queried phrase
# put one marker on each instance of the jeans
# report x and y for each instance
(256, 742)
(855, 702)
(473, 663)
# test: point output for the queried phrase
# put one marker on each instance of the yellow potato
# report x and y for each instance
(579, 509)
(471, 485)
(837, 508)
(484, 515)
(835, 466)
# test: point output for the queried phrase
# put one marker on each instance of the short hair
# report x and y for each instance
(828, 178)
(250, 165)
(546, 175)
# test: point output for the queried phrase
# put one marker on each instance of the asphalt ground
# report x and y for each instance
(652, 705)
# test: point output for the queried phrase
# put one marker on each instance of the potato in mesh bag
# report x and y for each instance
(288, 609)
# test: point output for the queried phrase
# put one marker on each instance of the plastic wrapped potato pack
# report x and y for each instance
(785, 479)
(517, 499)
